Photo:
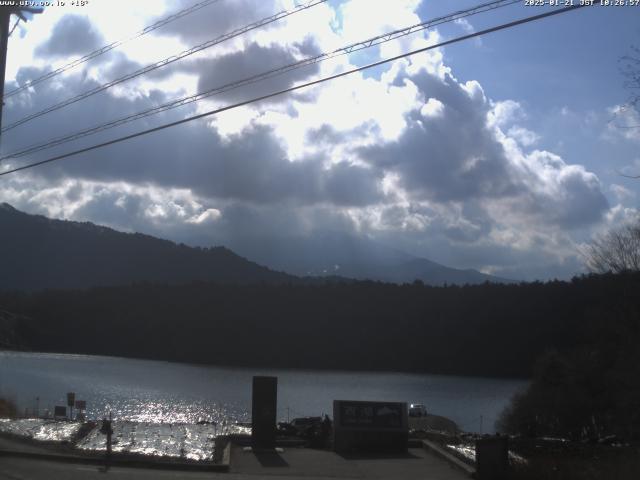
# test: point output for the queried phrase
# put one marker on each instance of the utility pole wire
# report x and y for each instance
(167, 61)
(111, 46)
(298, 87)
(259, 77)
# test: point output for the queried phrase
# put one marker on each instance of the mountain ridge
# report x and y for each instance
(360, 258)
(69, 254)
(37, 252)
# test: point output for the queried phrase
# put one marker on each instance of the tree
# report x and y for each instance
(617, 251)
(589, 388)
(630, 69)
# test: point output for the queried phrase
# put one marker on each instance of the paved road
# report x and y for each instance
(12, 468)
(29, 469)
(305, 463)
(290, 464)
(18, 446)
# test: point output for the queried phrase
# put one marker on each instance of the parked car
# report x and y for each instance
(417, 410)
(304, 425)
(286, 429)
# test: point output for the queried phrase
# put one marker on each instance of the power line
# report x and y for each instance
(166, 61)
(262, 76)
(298, 87)
(111, 46)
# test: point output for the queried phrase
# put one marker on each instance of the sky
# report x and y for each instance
(505, 153)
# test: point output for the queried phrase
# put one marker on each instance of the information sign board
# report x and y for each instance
(59, 411)
(370, 426)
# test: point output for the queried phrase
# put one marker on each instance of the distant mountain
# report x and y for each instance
(38, 253)
(344, 255)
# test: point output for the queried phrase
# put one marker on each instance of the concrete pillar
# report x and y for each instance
(263, 412)
(492, 458)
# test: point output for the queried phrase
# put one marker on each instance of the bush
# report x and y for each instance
(586, 393)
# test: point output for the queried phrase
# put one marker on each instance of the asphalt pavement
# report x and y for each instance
(12, 468)
(300, 465)
(31, 461)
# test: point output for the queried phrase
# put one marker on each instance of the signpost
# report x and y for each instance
(370, 426)
(107, 429)
(59, 412)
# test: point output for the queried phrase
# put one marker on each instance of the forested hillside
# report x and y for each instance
(477, 330)
(37, 252)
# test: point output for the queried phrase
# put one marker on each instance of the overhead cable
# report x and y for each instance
(297, 87)
(259, 77)
(167, 61)
(109, 47)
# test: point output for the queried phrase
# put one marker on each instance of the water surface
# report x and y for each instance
(164, 392)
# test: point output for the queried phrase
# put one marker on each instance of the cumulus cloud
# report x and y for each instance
(525, 137)
(409, 155)
(72, 35)
(250, 165)
(468, 29)
(253, 60)
(450, 157)
(433, 108)
(218, 19)
(621, 193)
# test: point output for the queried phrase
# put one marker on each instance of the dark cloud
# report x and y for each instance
(119, 66)
(249, 167)
(229, 17)
(247, 228)
(456, 156)
(252, 61)
(72, 35)
(449, 157)
(215, 20)
(110, 207)
(578, 201)
(582, 203)
(351, 185)
(327, 135)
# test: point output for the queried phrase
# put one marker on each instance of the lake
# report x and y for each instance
(164, 392)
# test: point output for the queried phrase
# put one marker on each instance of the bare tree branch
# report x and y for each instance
(617, 251)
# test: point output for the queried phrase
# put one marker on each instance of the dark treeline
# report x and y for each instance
(475, 330)
(591, 389)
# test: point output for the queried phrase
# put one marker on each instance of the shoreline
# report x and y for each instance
(85, 439)
(271, 367)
